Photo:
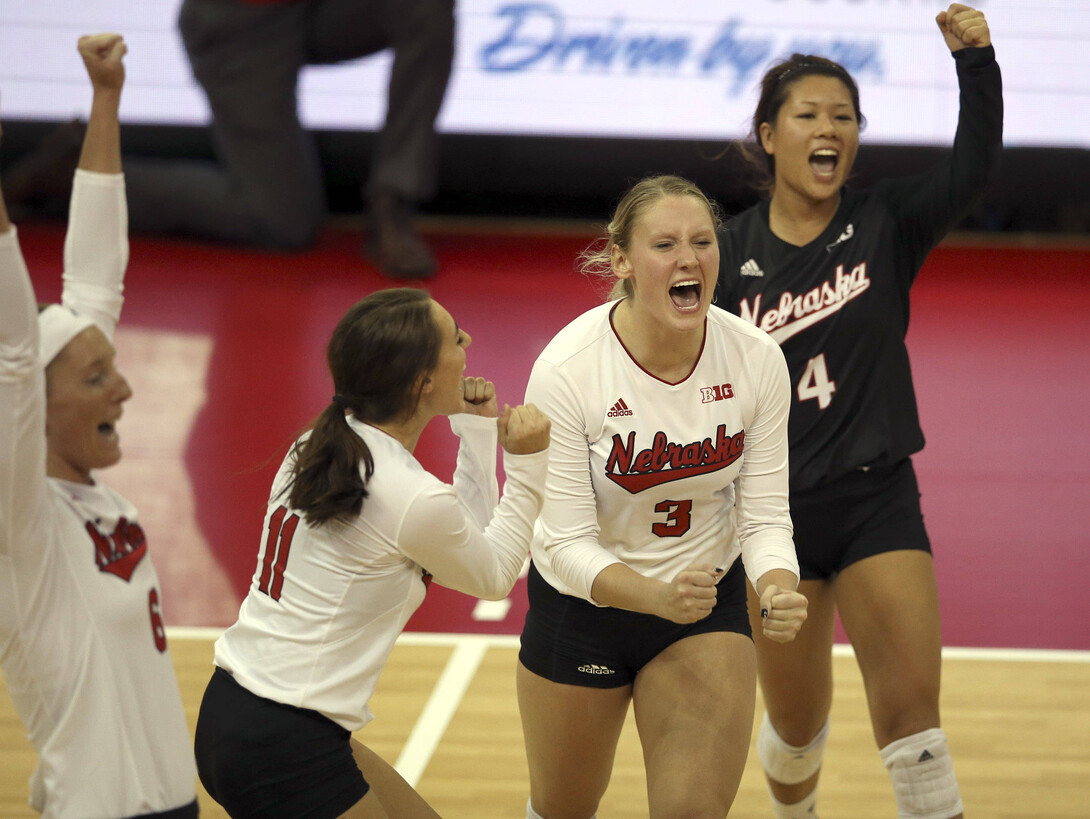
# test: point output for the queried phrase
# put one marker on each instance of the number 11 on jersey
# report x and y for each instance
(277, 549)
(815, 382)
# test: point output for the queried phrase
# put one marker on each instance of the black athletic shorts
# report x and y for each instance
(260, 758)
(568, 640)
(863, 513)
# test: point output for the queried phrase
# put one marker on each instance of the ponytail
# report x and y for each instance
(377, 355)
(326, 482)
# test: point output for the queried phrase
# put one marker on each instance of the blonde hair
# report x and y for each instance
(596, 262)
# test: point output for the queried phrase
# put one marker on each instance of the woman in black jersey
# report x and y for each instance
(826, 270)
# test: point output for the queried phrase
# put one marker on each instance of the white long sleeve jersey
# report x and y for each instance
(82, 644)
(660, 476)
(327, 603)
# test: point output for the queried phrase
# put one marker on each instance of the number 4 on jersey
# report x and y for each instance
(815, 382)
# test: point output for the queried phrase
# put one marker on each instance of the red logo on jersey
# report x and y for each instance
(665, 461)
(619, 409)
(119, 553)
(720, 392)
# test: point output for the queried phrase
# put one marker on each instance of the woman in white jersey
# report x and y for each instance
(82, 645)
(668, 462)
(355, 531)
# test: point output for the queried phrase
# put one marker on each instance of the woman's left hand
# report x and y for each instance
(782, 613)
(480, 397)
(963, 26)
(102, 55)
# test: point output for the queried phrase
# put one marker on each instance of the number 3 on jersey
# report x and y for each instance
(815, 382)
(678, 518)
(277, 547)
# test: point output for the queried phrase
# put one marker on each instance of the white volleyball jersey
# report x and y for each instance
(82, 644)
(660, 476)
(327, 603)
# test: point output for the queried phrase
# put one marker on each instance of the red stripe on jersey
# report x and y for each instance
(286, 534)
(270, 548)
(639, 481)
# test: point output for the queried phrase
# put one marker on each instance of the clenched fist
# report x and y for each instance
(523, 429)
(480, 397)
(102, 55)
(962, 26)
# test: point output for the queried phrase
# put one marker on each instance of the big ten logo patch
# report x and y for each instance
(121, 551)
(720, 392)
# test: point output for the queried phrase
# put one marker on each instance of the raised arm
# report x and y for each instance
(22, 395)
(5, 222)
(963, 27)
(101, 54)
(929, 205)
(96, 248)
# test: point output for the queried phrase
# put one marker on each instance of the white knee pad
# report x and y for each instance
(786, 763)
(923, 776)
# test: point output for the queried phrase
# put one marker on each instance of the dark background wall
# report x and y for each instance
(1036, 189)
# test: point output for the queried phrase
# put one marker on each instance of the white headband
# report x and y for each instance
(57, 325)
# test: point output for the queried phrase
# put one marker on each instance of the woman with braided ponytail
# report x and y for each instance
(354, 532)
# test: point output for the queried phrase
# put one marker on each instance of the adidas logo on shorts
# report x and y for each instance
(591, 668)
(618, 409)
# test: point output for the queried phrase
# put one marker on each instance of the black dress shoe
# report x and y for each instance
(393, 244)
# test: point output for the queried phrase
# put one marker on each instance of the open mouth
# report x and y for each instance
(686, 295)
(823, 162)
(107, 430)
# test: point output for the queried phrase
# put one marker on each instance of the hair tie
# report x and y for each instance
(342, 402)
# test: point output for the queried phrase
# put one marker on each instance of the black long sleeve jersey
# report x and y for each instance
(839, 306)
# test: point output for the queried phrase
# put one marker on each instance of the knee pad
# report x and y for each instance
(923, 776)
(786, 763)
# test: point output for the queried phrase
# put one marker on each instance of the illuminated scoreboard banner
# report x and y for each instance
(638, 68)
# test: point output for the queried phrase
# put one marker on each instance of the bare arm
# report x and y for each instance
(102, 55)
(96, 246)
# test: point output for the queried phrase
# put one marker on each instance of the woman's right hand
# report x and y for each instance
(523, 429)
(690, 597)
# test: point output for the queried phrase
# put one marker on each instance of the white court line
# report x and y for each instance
(492, 610)
(422, 638)
(443, 702)
(469, 650)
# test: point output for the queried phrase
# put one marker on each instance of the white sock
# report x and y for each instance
(533, 814)
(806, 809)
